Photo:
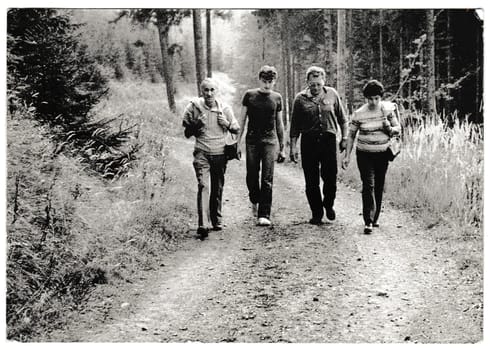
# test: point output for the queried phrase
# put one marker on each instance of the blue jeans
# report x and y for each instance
(261, 193)
(372, 167)
(210, 169)
(319, 159)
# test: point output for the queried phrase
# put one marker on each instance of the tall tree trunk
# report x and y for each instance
(328, 36)
(448, 59)
(400, 60)
(350, 69)
(294, 76)
(167, 66)
(381, 45)
(289, 59)
(341, 71)
(209, 51)
(198, 48)
(285, 67)
(431, 69)
(263, 45)
(478, 79)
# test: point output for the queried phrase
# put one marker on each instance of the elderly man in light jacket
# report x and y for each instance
(210, 121)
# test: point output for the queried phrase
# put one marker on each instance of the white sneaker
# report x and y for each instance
(255, 210)
(264, 222)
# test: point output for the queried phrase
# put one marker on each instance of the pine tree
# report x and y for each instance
(50, 72)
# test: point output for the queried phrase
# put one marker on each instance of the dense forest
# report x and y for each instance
(73, 139)
(429, 60)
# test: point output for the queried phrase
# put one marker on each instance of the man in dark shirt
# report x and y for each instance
(317, 115)
(262, 107)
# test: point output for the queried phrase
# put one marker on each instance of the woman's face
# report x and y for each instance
(315, 84)
(373, 101)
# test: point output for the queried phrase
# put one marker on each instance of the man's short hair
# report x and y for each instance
(209, 81)
(315, 71)
(373, 88)
(268, 73)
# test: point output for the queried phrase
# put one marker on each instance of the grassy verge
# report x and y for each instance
(69, 231)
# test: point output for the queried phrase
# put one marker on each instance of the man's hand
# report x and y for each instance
(239, 151)
(342, 145)
(294, 155)
(281, 157)
(222, 121)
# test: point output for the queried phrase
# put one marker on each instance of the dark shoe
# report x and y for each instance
(330, 213)
(368, 229)
(375, 224)
(202, 233)
(315, 221)
(217, 227)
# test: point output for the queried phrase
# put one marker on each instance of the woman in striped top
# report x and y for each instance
(374, 123)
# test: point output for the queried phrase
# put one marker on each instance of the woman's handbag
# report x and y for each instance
(394, 148)
(231, 146)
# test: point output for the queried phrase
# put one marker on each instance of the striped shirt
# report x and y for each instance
(372, 135)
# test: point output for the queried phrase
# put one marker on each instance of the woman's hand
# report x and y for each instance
(386, 122)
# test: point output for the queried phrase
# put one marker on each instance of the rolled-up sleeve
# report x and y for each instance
(234, 126)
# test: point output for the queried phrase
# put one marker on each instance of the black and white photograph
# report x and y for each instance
(249, 175)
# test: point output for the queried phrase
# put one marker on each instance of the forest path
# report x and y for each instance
(295, 282)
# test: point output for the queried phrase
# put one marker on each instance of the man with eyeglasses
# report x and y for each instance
(209, 121)
(317, 116)
(262, 107)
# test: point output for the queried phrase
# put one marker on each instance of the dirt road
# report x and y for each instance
(295, 282)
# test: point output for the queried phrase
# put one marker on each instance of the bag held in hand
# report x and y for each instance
(394, 148)
(231, 146)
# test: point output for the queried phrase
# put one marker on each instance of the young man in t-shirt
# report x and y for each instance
(262, 108)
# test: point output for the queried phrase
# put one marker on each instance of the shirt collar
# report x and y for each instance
(215, 108)
(306, 92)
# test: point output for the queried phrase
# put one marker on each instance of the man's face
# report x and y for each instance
(315, 84)
(209, 91)
(266, 84)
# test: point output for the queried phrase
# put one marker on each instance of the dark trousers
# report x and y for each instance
(261, 155)
(372, 167)
(319, 159)
(210, 169)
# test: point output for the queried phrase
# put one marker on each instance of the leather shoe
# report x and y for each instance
(217, 227)
(368, 229)
(315, 221)
(202, 233)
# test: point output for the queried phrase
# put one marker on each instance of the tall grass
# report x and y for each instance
(439, 174)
